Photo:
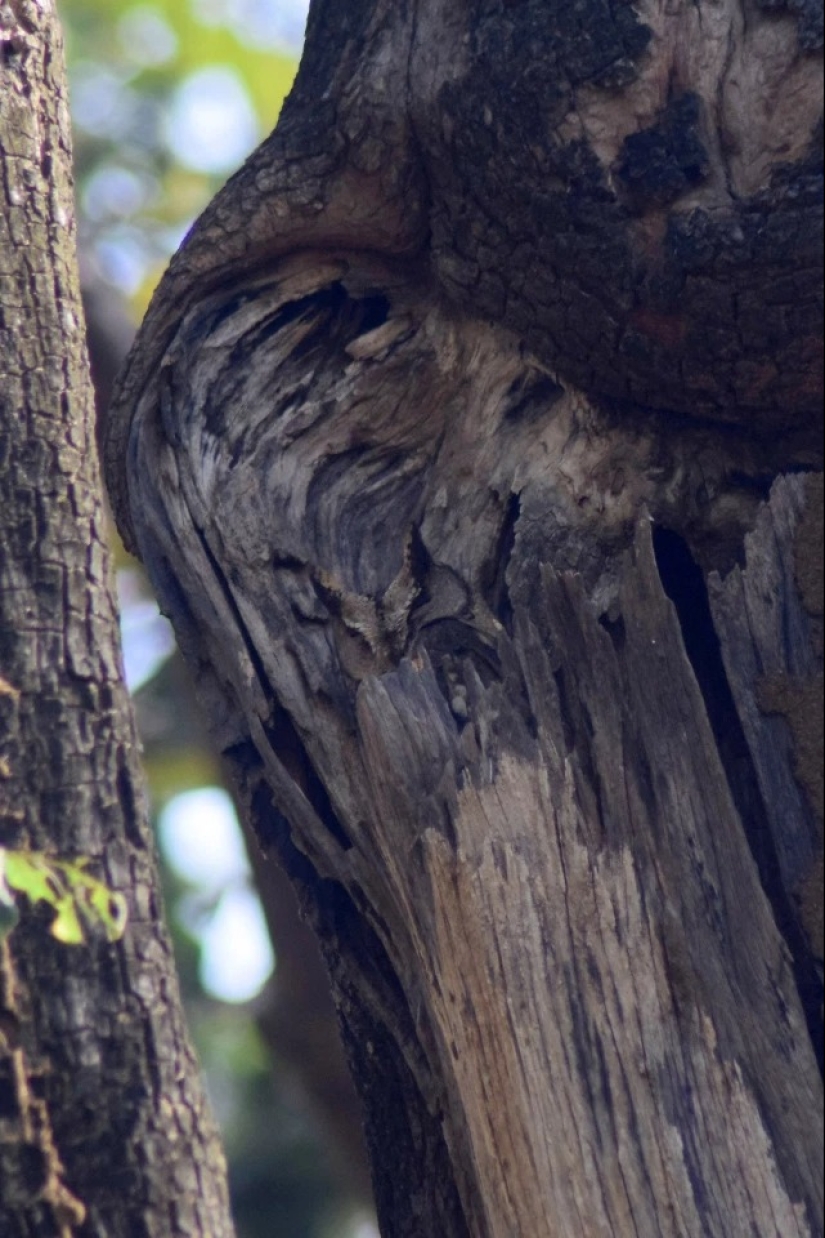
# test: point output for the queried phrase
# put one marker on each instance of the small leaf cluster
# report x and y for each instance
(83, 907)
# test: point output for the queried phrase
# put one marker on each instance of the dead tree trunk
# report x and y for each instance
(471, 443)
(104, 1128)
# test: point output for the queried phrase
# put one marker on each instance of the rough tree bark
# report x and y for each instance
(103, 1124)
(471, 442)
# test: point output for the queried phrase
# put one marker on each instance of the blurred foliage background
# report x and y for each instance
(167, 99)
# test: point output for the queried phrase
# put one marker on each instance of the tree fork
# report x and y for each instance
(466, 444)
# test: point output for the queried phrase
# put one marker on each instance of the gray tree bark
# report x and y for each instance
(472, 443)
(104, 1127)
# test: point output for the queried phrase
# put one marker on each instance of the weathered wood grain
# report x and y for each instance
(451, 444)
(372, 521)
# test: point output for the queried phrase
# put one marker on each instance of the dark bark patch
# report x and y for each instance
(531, 396)
(414, 1190)
(545, 45)
(11, 50)
(719, 317)
(9, 1104)
(291, 751)
(614, 626)
(565, 711)
(684, 584)
(411, 1187)
(34, 1168)
(271, 826)
(127, 800)
(494, 588)
(659, 164)
(582, 1042)
(759, 485)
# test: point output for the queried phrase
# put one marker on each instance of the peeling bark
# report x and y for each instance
(453, 444)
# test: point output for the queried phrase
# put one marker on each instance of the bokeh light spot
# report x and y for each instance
(211, 124)
(146, 37)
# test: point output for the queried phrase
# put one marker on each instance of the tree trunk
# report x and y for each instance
(103, 1122)
(471, 444)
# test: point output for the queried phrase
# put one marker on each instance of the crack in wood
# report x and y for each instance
(684, 583)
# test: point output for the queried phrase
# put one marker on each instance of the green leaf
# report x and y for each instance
(83, 906)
